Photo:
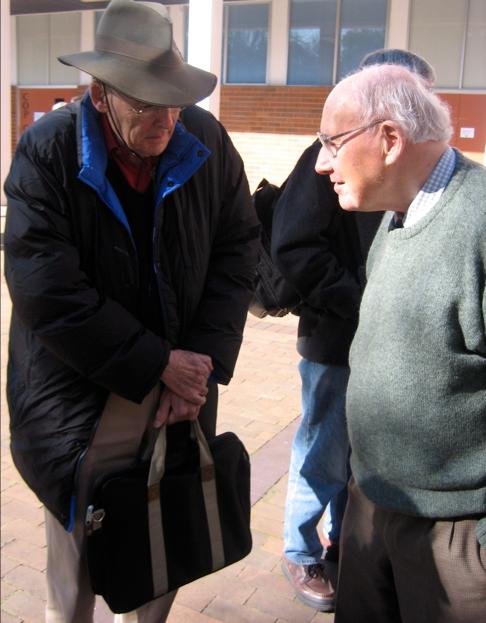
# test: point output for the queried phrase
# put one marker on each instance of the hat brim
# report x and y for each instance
(153, 83)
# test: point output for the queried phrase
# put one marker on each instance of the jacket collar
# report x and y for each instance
(184, 155)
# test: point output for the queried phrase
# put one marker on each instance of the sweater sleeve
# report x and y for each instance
(481, 532)
(305, 218)
(53, 297)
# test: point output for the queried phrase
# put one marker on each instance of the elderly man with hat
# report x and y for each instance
(130, 252)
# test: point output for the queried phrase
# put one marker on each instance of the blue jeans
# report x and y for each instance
(319, 462)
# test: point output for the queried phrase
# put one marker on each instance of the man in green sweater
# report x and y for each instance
(413, 542)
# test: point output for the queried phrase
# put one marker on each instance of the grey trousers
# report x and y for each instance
(69, 595)
(114, 446)
(396, 568)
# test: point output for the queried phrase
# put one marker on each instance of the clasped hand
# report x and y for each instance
(186, 386)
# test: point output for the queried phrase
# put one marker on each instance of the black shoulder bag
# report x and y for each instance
(179, 516)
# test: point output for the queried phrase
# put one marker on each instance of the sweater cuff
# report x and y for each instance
(481, 532)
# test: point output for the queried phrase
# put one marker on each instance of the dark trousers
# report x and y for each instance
(397, 568)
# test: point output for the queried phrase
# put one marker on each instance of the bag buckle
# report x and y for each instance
(93, 519)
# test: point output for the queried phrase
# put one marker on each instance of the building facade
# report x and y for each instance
(276, 59)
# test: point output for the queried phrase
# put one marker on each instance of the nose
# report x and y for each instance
(323, 164)
(166, 116)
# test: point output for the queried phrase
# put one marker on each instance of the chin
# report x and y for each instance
(348, 205)
(157, 149)
(152, 149)
(156, 152)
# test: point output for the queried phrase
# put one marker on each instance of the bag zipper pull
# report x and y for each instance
(93, 519)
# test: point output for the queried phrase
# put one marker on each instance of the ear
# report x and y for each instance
(392, 141)
(98, 98)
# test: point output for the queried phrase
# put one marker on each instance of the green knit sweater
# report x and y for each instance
(416, 402)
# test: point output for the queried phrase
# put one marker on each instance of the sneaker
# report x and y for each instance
(311, 584)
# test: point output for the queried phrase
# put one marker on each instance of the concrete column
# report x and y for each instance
(278, 44)
(176, 13)
(205, 43)
(87, 39)
(6, 134)
(14, 79)
(398, 24)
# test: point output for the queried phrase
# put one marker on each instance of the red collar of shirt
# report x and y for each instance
(137, 172)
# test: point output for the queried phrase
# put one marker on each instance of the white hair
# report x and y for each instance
(395, 93)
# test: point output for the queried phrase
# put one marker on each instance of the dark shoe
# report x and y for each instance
(311, 585)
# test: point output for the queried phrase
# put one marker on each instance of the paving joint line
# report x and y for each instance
(275, 452)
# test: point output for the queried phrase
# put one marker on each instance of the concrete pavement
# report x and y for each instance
(262, 406)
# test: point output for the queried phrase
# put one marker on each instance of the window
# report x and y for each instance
(462, 24)
(362, 30)
(40, 40)
(311, 41)
(246, 35)
(314, 56)
(98, 15)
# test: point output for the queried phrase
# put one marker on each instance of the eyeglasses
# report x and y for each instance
(139, 108)
(329, 141)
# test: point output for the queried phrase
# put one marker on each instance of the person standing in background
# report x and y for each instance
(321, 250)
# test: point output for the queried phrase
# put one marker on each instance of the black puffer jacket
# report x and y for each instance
(72, 271)
(321, 251)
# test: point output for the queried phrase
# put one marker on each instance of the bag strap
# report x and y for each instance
(115, 444)
(160, 577)
(208, 476)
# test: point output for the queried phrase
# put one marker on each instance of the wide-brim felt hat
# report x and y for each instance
(135, 54)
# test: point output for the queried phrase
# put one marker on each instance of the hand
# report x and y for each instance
(187, 375)
(173, 408)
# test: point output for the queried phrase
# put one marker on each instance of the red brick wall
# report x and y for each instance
(275, 109)
(13, 116)
(271, 125)
(297, 110)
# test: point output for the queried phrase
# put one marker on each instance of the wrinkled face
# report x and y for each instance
(353, 160)
(146, 129)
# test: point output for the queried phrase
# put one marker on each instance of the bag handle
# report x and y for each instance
(156, 530)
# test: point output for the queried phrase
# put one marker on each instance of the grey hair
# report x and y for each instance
(393, 92)
(397, 56)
